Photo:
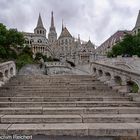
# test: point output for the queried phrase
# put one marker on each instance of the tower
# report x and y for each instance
(52, 36)
(40, 30)
(136, 29)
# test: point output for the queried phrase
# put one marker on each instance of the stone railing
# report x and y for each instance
(56, 64)
(116, 77)
(7, 70)
(53, 68)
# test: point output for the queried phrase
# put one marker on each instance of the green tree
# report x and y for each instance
(3, 33)
(129, 46)
(14, 38)
(38, 56)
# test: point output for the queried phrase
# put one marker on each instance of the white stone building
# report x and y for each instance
(65, 47)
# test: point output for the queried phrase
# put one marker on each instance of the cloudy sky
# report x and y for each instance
(97, 19)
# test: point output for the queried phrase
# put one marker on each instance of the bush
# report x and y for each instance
(38, 56)
(129, 46)
(23, 60)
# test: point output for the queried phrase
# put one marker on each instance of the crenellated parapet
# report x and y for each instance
(7, 70)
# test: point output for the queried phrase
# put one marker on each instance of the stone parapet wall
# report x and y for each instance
(115, 77)
(7, 70)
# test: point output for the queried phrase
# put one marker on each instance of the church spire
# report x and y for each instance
(62, 25)
(52, 36)
(138, 21)
(40, 23)
(52, 20)
(52, 27)
(79, 41)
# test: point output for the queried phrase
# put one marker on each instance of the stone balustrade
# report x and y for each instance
(117, 78)
(7, 70)
(53, 68)
(56, 64)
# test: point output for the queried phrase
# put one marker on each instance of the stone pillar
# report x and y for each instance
(124, 88)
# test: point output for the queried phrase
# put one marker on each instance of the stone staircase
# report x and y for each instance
(68, 105)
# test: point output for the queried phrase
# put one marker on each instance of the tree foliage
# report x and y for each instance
(11, 47)
(129, 46)
(11, 37)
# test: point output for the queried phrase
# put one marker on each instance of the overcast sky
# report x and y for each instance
(97, 19)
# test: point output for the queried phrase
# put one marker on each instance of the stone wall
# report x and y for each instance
(116, 77)
(7, 70)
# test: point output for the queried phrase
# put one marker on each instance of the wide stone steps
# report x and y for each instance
(71, 104)
(73, 129)
(68, 110)
(96, 118)
(62, 99)
(67, 105)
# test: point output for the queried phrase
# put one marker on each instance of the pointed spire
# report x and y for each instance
(52, 27)
(89, 38)
(40, 23)
(52, 20)
(79, 38)
(138, 21)
(62, 25)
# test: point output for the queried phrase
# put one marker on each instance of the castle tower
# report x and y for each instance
(136, 29)
(40, 30)
(52, 36)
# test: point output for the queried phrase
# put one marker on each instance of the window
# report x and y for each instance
(37, 32)
(70, 41)
(66, 42)
(31, 41)
(39, 41)
(62, 42)
(62, 49)
(40, 32)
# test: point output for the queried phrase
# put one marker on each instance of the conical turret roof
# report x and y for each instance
(40, 23)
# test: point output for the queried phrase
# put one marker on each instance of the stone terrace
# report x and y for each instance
(68, 105)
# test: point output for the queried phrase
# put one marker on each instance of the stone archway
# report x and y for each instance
(108, 76)
(6, 73)
(1, 76)
(132, 86)
(94, 70)
(11, 71)
(100, 73)
(118, 80)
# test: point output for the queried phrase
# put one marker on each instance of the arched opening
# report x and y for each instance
(11, 71)
(100, 72)
(118, 80)
(66, 41)
(6, 73)
(27, 41)
(1, 76)
(31, 41)
(132, 87)
(94, 70)
(39, 41)
(108, 76)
